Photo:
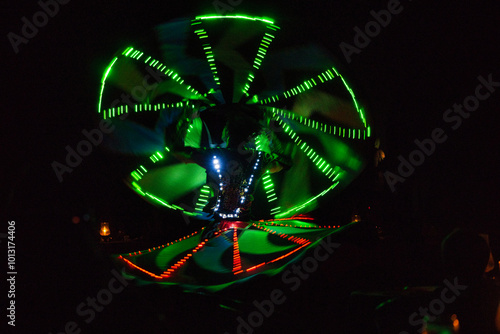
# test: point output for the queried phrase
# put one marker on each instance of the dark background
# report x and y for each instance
(424, 61)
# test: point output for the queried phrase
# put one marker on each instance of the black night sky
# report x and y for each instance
(427, 59)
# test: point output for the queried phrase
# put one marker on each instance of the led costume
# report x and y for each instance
(238, 131)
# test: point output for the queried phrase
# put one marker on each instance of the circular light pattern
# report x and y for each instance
(225, 130)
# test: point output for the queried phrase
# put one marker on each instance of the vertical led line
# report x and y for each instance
(268, 185)
(236, 253)
(202, 199)
(217, 168)
(207, 48)
(265, 42)
(103, 82)
(250, 179)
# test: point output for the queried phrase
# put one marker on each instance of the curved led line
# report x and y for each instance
(211, 17)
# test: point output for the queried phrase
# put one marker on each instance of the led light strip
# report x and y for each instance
(156, 157)
(236, 252)
(294, 239)
(168, 273)
(332, 173)
(217, 166)
(259, 57)
(124, 109)
(164, 245)
(301, 242)
(326, 128)
(172, 74)
(306, 85)
(321, 78)
(137, 175)
(139, 268)
(132, 53)
(211, 17)
(299, 217)
(202, 201)
(103, 82)
(297, 226)
(356, 105)
(299, 207)
(207, 48)
(270, 191)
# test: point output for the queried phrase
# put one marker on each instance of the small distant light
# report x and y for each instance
(355, 218)
(104, 231)
(75, 219)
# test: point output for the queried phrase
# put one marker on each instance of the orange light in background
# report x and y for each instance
(355, 218)
(104, 231)
(456, 323)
